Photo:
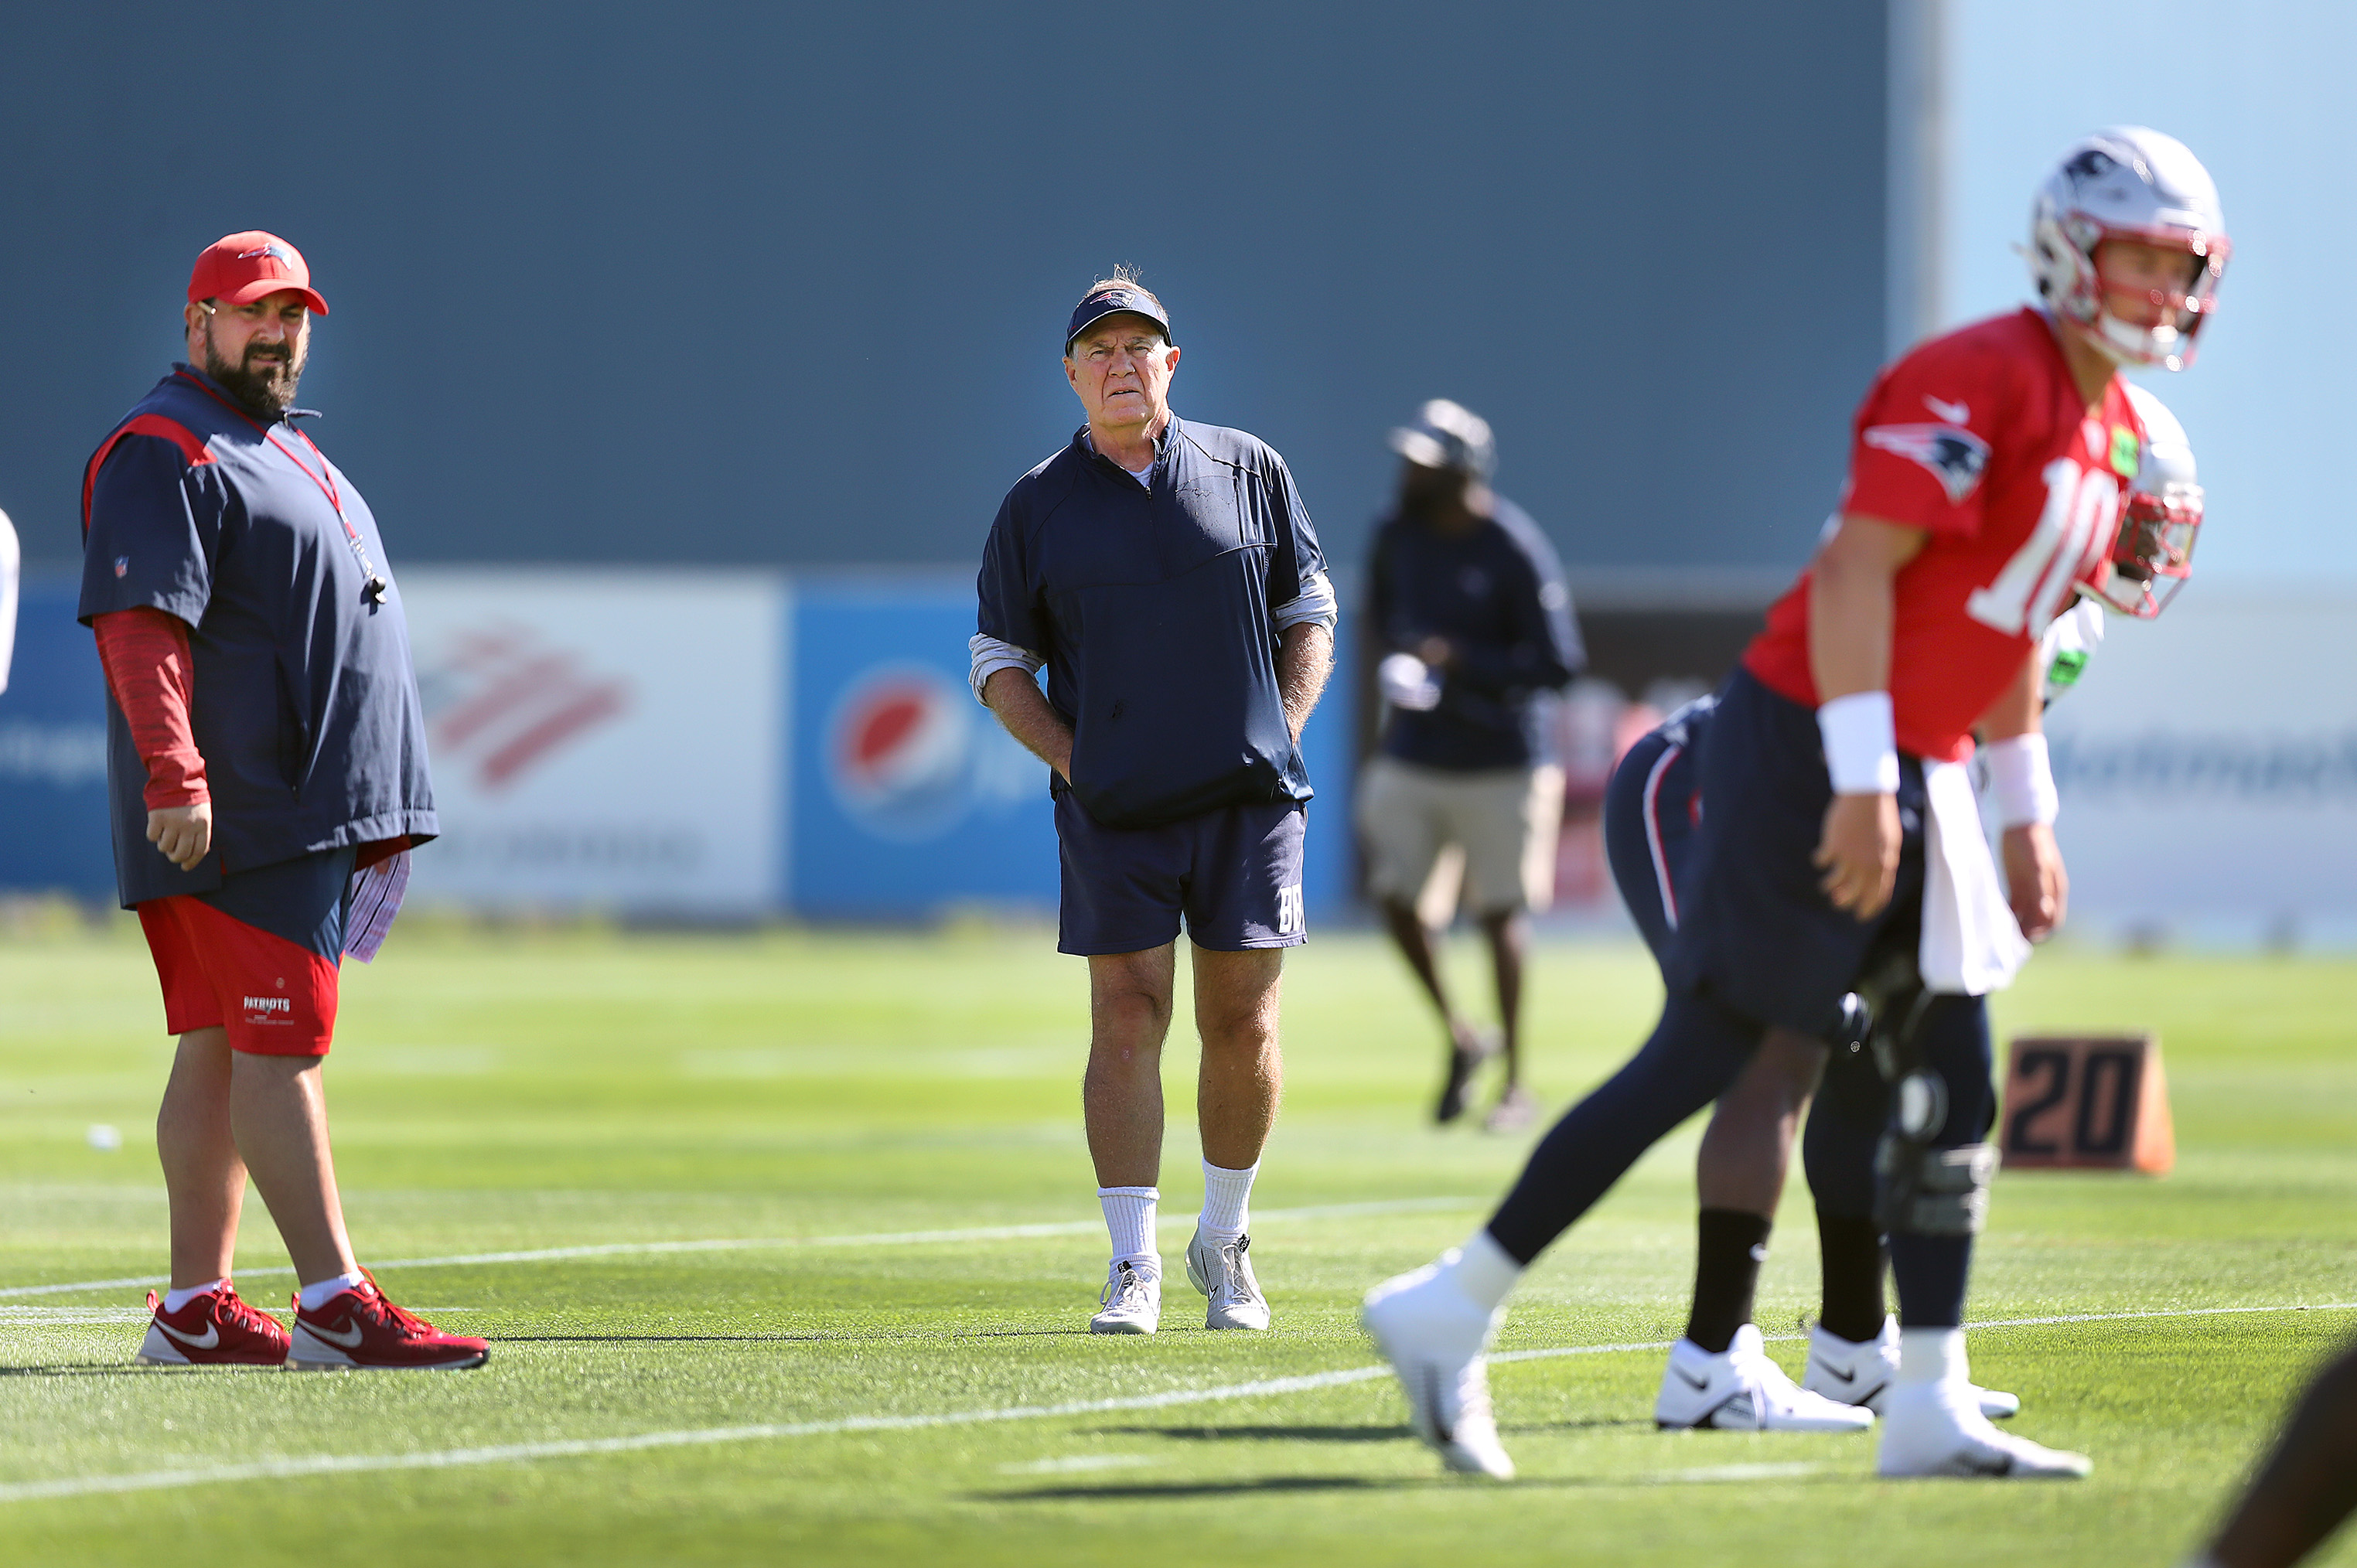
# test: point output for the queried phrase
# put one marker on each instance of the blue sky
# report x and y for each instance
(2260, 91)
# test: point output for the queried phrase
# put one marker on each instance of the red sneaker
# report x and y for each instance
(358, 1328)
(215, 1329)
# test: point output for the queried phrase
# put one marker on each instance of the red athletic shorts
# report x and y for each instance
(276, 997)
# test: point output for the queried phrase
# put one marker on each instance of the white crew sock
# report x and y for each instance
(1129, 1219)
(1483, 1270)
(316, 1296)
(1933, 1356)
(1227, 1201)
(176, 1299)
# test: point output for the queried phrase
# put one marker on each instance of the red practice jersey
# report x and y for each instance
(1981, 439)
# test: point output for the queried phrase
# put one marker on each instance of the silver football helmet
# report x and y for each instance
(2129, 182)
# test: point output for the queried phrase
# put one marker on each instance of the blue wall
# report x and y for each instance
(784, 283)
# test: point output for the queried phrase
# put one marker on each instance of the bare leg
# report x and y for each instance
(2309, 1483)
(1509, 933)
(1414, 939)
(202, 1175)
(1243, 1071)
(1129, 1015)
(1747, 1147)
(278, 1110)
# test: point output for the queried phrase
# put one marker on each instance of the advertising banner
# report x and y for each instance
(908, 798)
(602, 738)
(2208, 767)
(53, 836)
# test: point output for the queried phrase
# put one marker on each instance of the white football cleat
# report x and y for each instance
(1224, 1273)
(1740, 1389)
(1854, 1373)
(1434, 1335)
(1132, 1301)
(1934, 1428)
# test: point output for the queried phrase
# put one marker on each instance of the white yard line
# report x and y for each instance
(520, 1453)
(731, 1244)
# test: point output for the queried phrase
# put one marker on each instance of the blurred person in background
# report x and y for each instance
(1166, 576)
(266, 769)
(1467, 603)
(11, 562)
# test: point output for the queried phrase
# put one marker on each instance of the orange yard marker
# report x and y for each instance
(2087, 1102)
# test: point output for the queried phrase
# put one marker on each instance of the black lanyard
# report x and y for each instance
(373, 589)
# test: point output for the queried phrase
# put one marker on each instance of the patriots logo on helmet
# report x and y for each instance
(1956, 457)
(2094, 163)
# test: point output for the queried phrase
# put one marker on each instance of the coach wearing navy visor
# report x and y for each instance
(1166, 576)
(266, 765)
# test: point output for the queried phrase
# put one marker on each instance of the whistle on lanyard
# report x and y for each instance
(374, 590)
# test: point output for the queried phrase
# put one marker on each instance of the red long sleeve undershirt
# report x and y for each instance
(144, 652)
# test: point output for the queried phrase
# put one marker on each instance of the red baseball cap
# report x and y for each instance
(239, 268)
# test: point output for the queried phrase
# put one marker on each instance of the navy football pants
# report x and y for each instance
(1704, 1041)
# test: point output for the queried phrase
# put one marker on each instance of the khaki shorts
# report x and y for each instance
(1427, 830)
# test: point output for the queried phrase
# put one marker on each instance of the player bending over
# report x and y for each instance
(1718, 1375)
(1843, 841)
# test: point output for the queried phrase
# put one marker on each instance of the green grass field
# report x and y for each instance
(840, 1377)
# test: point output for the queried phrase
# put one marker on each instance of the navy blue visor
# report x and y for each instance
(1107, 302)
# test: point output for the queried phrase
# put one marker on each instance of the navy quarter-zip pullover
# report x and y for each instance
(1155, 607)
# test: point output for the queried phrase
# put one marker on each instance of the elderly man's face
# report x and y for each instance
(1120, 368)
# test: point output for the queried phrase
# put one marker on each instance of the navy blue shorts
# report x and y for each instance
(1651, 809)
(1235, 874)
(1754, 929)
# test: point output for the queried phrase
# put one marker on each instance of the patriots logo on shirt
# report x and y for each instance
(123, 565)
(1955, 457)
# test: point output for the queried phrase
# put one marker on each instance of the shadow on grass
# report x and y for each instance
(1209, 1432)
(778, 1338)
(1259, 1485)
(119, 1369)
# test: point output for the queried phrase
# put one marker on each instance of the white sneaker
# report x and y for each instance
(1854, 1373)
(1740, 1389)
(1225, 1273)
(1933, 1429)
(1132, 1302)
(1434, 1335)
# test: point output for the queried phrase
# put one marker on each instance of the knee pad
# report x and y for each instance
(1933, 1192)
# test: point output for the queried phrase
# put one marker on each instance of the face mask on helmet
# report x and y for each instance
(2153, 554)
(2129, 185)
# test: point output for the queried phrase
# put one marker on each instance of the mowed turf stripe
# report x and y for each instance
(520, 1453)
(733, 1244)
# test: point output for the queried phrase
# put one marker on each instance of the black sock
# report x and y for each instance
(1931, 1273)
(1853, 1257)
(1729, 1247)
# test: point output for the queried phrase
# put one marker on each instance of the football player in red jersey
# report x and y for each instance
(1841, 849)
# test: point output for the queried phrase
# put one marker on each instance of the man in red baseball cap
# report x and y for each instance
(266, 777)
(250, 308)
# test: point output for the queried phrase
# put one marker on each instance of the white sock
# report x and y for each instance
(1931, 1355)
(1129, 1219)
(1227, 1201)
(316, 1296)
(1483, 1270)
(176, 1299)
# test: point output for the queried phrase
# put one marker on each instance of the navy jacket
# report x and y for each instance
(1151, 605)
(305, 705)
(1497, 594)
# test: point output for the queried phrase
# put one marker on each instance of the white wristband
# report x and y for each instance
(1861, 747)
(2021, 782)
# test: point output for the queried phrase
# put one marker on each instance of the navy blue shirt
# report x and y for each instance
(303, 699)
(1151, 604)
(1496, 592)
